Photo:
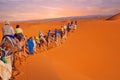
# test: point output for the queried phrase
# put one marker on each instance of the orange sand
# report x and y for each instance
(92, 52)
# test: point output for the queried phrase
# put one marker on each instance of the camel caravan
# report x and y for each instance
(15, 45)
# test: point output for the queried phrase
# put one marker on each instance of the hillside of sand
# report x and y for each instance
(92, 52)
(115, 17)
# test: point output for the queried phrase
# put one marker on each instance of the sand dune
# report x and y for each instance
(115, 17)
(92, 52)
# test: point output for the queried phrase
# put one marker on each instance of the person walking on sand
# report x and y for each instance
(30, 44)
(57, 37)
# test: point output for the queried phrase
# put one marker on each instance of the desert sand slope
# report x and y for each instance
(115, 17)
(92, 52)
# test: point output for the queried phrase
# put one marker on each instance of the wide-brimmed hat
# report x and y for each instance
(7, 22)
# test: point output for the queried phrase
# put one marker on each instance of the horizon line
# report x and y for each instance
(61, 17)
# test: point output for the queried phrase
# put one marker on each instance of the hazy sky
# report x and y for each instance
(40, 9)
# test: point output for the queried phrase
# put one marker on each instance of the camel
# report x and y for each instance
(10, 50)
(7, 51)
(21, 49)
(6, 69)
(43, 43)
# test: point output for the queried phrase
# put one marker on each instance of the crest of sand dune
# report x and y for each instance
(92, 52)
(115, 17)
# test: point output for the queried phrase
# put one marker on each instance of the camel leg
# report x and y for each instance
(25, 56)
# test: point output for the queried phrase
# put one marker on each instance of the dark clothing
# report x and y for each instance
(19, 36)
(57, 32)
(49, 34)
(8, 36)
(69, 27)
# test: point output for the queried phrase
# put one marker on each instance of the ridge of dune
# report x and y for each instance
(115, 17)
(89, 53)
